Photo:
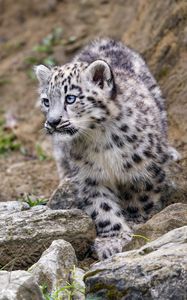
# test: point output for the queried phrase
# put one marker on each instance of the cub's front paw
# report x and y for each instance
(108, 246)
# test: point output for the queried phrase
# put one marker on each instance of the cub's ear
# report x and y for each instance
(42, 73)
(99, 72)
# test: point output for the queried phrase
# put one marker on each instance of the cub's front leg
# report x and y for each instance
(102, 205)
(99, 202)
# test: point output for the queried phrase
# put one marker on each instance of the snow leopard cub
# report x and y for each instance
(107, 118)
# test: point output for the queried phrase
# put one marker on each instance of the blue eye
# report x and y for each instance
(70, 99)
(45, 102)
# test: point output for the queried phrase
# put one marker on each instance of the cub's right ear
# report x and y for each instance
(42, 73)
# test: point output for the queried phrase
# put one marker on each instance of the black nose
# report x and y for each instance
(54, 122)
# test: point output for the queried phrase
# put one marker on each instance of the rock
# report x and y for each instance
(63, 191)
(54, 267)
(171, 217)
(78, 284)
(25, 235)
(57, 267)
(19, 285)
(13, 206)
(178, 173)
(156, 271)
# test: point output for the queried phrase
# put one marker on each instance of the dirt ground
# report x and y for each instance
(32, 32)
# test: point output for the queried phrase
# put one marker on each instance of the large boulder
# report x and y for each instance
(24, 235)
(156, 271)
(19, 285)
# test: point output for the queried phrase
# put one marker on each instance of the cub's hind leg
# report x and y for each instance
(142, 198)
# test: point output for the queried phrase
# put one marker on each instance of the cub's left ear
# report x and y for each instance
(42, 73)
(99, 72)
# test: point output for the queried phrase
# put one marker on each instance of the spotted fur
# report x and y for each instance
(107, 118)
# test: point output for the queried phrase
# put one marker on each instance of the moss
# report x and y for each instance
(100, 287)
(114, 294)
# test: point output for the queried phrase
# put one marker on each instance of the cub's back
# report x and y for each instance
(125, 62)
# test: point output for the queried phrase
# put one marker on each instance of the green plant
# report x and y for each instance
(8, 140)
(141, 237)
(33, 200)
(51, 40)
(45, 293)
(40, 153)
(69, 290)
(42, 53)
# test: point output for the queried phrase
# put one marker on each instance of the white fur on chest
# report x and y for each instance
(107, 167)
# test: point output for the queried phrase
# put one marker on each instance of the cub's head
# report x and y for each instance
(76, 97)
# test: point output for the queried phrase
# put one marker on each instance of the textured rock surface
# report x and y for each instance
(18, 285)
(156, 271)
(78, 283)
(54, 267)
(25, 235)
(63, 191)
(12, 206)
(171, 217)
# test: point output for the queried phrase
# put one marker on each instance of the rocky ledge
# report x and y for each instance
(156, 271)
(26, 233)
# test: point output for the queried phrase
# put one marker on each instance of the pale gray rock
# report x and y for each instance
(25, 235)
(78, 283)
(13, 206)
(156, 271)
(54, 267)
(19, 285)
